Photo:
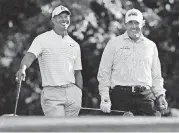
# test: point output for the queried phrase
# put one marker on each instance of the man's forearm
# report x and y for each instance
(78, 79)
(27, 61)
(157, 84)
(23, 66)
(104, 92)
(104, 81)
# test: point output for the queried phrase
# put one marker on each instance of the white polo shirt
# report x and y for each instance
(128, 63)
(58, 58)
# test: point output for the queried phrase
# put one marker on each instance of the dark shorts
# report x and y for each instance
(139, 103)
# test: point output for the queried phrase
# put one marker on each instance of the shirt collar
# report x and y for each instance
(53, 32)
(140, 39)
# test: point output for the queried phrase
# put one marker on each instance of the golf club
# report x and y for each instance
(17, 96)
(96, 109)
(125, 113)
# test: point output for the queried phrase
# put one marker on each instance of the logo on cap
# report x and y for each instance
(133, 14)
(63, 8)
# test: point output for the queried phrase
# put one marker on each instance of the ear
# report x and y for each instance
(52, 19)
(124, 25)
(141, 24)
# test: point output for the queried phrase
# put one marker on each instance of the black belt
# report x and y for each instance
(132, 89)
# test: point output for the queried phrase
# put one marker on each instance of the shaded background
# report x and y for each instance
(93, 23)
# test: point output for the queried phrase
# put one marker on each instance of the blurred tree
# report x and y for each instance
(93, 23)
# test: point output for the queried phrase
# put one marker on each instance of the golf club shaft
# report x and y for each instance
(96, 109)
(17, 96)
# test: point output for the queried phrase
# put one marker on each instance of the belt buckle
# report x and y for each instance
(147, 87)
(139, 88)
(133, 89)
(64, 86)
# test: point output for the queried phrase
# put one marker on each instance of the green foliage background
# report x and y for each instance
(93, 23)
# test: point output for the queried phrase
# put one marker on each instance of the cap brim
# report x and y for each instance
(68, 12)
(135, 19)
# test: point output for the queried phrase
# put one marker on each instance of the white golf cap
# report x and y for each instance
(59, 10)
(133, 14)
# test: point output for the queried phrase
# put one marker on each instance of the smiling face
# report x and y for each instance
(134, 29)
(61, 21)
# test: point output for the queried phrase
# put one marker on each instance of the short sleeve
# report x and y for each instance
(36, 47)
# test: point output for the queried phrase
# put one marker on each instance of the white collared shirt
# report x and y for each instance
(128, 63)
(58, 58)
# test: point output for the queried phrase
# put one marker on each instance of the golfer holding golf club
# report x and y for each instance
(59, 59)
(129, 74)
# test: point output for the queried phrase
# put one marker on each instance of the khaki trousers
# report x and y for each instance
(61, 101)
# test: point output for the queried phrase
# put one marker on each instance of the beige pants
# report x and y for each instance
(57, 101)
